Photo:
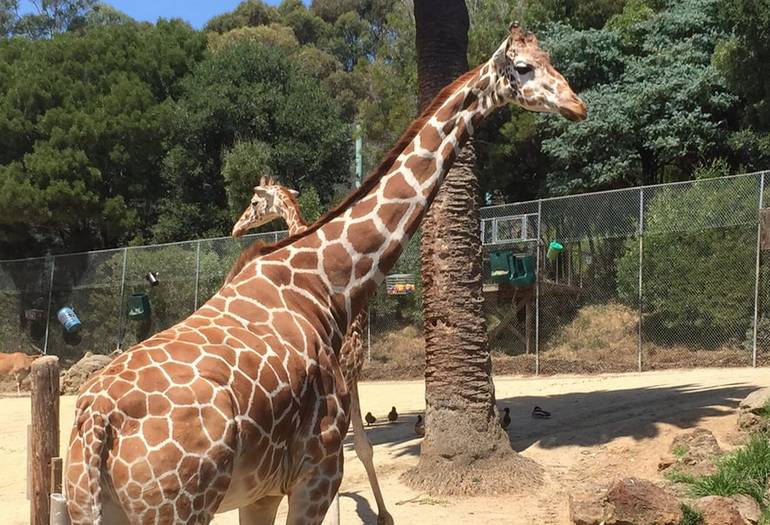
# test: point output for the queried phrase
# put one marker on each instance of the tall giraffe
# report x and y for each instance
(244, 401)
(271, 200)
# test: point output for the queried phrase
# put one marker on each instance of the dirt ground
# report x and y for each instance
(603, 427)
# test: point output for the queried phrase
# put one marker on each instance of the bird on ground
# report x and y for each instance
(505, 420)
(370, 419)
(539, 413)
(419, 426)
(393, 415)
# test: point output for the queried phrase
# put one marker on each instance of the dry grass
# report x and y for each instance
(399, 354)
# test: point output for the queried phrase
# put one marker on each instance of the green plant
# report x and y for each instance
(690, 516)
(679, 477)
(680, 451)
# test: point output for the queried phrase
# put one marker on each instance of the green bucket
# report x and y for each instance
(554, 249)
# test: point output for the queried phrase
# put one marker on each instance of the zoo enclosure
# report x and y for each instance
(653, 277)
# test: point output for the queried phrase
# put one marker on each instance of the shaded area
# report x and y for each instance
(363, 508)
(588, 418)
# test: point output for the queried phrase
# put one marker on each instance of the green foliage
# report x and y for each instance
(246, 93)
(242, 168)
(273, 35)
(310, 204)
(249, 13)
(699, 247)
(690, 516)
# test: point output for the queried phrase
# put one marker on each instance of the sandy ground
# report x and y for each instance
(603, 427)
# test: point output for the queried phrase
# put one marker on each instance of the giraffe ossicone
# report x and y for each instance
(245, 401)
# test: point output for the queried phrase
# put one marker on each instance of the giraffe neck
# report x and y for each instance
(352, 249)
(291, 214)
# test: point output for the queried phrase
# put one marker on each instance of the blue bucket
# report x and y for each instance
(68, 319)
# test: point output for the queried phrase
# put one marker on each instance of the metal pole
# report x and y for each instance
(537, 289)
(122, 292)
(756, 275)
(641, 252)
(197, 272)
(48, 310)
(359, 156)
(368, 334)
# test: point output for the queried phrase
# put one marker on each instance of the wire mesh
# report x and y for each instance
(24, 289)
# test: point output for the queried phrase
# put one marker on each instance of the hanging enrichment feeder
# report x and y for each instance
(554, 249)
(68, 319)
(152, 278)
(138, 306)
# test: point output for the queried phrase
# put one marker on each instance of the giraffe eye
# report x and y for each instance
(522, 69)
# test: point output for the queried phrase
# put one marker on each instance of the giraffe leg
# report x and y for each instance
(261, 512)
(365, 454)
(311, 497)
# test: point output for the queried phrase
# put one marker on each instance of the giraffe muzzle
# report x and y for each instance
(575, 111)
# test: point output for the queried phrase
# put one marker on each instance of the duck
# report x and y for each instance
(505, 420)
(370, 419)
(393, 415)
(419, 426)
(539, 413)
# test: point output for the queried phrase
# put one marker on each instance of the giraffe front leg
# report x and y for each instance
(261, 512)
(311, 497)
(365, 454)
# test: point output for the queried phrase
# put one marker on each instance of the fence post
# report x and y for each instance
(756, 273)
(197, 272)
(48, 309)
(537, 288)
(368, 335)
(122, 295)
(44, 435)
(641, 266)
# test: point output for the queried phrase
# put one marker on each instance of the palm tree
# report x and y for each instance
(462, 422)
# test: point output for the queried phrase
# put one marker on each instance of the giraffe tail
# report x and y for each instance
(93, 434)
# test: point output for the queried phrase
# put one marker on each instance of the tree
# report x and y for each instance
(51, 17)
(462, 430)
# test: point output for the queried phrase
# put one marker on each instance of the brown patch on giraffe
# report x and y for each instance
(165, 459)
(246, 309)
(248, 363)
(363, 266)
(337, 264)
(152, 380)
(321, 489)
(330, 466)
(304, 261)
(139, 359)
(118, 473)
(422, 167)
(363, 207)
(268, 294)
(390, 256)
(241, 387)
(397, 188)
(196, 322)
(149, 516)
(170, 482)
(280, 275)
(158, 355)
(392, 213)
(452, 106)
(210, 313)
(268, 379)
(133, 490)
(155, 430)
(449, 153)
(214, 336)
(132, 448)
(179, 372)
(429, 138)
(333, 230)
(284, 323)
(221, 350)
(133, 404)
(119, 388)
(183, 506)
(158, 405)
(202, 390)
(212, 369)
(364, 237)
(166, 513)
(192, 337)
(181, 395)
(185, 431)
(140, 472)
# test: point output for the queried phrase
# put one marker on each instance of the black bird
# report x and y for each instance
(505, 420)
(539, 413)
(370, 419)
(419, 426)
(392, 415)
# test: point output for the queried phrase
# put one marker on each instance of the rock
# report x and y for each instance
(693, 453)
(82, 371)
(631, 501)
(751, 422)
(718, 510)
(748, 508)
(586, 507)
(756, 401)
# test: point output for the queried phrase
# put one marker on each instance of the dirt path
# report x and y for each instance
(603, 427)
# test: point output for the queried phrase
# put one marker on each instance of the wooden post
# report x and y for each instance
(56, 474)
(44, 439)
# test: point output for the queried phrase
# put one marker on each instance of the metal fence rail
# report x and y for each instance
(646, 278)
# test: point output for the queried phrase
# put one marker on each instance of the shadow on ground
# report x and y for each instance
(590, 418)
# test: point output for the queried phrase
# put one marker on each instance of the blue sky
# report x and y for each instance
(197, 12)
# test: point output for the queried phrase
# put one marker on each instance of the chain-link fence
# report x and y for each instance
(638, 279)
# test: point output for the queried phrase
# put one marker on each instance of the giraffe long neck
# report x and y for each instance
(350, 253)
(291, 214)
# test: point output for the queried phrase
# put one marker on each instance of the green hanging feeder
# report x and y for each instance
(554, 249)
(138, 306)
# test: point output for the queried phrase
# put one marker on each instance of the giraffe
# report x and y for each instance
(245, 401)
(271, 199)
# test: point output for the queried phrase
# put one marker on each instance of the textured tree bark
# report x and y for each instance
(462, 426)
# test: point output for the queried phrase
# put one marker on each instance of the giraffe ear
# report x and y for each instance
(293, 192)
(260, 191)
(501, 55)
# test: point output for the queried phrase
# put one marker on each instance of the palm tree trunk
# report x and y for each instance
(462, 428)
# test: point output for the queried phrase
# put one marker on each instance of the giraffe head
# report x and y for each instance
(526, 78)
(266, 205)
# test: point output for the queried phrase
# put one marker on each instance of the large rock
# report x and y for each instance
(718, 510)
(629, 501)
(692, 453)
(752, 415)
(748, 508)
(636, 501)
(82, 371)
